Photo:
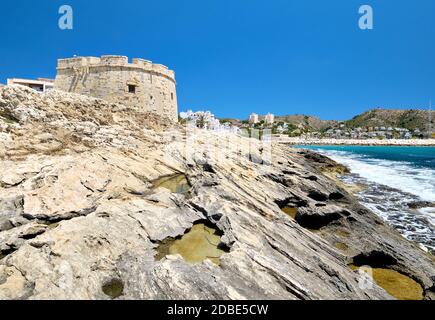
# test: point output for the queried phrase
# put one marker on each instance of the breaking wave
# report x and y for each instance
(392, 185)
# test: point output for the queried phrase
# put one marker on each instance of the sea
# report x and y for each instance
(395, 177)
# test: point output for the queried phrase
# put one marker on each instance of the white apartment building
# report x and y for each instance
(253, 118)
(40, 84)
(269, 119)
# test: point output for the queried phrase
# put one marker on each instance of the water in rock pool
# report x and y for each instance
(291, 212)
(113, 288)
(199, 243)
(400, 185)
(176, 183)
(396, 284)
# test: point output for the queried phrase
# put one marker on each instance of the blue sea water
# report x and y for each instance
(421, 157)
(395, 177)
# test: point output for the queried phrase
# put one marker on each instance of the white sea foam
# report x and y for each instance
(430, 213)
(391, 186)
(399, 175)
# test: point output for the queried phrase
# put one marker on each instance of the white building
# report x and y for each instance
(269, 119)
(40, 84)
(253, 118)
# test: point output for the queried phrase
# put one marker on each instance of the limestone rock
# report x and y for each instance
(10, 209)
(421, 204)
(86, 215)
(316, 217)
(11, 179)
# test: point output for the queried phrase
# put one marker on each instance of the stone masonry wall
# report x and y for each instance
(110, 78)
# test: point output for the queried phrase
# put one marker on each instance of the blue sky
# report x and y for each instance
(235, 57)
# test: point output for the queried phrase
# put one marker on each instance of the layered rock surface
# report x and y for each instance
(79, 211)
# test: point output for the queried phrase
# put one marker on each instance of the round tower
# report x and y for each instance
(140, 84)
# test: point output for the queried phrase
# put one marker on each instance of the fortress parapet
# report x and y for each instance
(115, 61)
(141, 83)
(77, 62)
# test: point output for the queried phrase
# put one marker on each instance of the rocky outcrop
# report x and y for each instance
(84, 216)
(421, 204)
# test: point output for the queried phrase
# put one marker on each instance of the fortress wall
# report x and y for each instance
(146, 64)
(77, 62)
(109, 78)
(114, 60)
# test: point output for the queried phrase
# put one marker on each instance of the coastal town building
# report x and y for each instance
(281, 128)
(139, 83)
(269, 119)
(39, 85)
(253, 118)
(370, 133)
(338, 130)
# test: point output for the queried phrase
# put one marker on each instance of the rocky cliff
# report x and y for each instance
(100, 201)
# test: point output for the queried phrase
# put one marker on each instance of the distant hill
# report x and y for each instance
(309, 122)
(409, 119)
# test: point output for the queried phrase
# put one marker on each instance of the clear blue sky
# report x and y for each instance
(235, 57)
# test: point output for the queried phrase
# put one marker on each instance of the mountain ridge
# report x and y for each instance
(410, 119)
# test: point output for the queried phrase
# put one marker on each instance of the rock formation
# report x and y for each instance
(84, 216)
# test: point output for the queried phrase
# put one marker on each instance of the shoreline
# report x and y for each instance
(357, 142)
(361, 185)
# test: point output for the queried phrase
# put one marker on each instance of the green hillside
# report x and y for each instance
(409, 119)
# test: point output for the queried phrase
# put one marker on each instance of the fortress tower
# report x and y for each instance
(140, 83)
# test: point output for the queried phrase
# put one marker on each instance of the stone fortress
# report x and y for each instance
(112, 78)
